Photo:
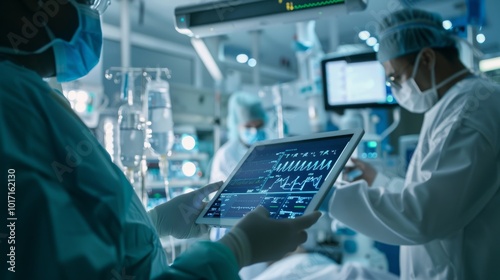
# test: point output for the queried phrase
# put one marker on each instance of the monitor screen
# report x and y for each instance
(355, 81)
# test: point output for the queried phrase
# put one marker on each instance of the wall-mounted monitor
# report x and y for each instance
(355, 81)
(219, 17)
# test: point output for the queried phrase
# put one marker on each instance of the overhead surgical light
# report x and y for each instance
(80, 107)
(364, 35)
(87, 100)
(188, 168)
(252, 62)
(82, 96)
(372, 41)
(447, 25)
(80, 100)
(242, 58)
(480, 38)
(71, 95)
(188, 142)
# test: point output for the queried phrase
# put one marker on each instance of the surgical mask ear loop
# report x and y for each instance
(433, 71)
(433, 76)
(450, 78)
(445, 81)
(415, 67)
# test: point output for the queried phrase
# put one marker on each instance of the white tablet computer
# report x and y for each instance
(289, 176)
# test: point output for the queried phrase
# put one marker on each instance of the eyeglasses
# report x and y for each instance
(99, 6)
(394, 80)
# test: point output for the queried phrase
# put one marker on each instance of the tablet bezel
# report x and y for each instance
(357, 134)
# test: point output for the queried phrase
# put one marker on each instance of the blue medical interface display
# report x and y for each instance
(283, 177)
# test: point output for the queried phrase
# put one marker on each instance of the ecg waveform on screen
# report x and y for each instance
(297, 184)
(307, 154)
(305, 165)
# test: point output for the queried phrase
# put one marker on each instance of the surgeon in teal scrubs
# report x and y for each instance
(71, 213)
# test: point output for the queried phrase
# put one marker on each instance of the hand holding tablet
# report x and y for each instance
(256, 238)
(289, 177)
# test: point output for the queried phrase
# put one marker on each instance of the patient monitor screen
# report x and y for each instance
(283, 177)
(355, 81)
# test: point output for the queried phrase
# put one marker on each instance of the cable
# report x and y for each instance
(396, 114)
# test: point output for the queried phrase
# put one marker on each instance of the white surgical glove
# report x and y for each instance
(177, 217)
(258, 238)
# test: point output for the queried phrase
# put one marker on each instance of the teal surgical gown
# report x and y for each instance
(76, 216)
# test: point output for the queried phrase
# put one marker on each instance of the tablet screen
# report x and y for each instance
(283, 177)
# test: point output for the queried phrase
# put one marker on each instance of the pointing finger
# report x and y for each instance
(306, 221)
(261, 210)
(210, 188)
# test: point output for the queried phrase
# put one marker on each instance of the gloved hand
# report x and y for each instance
(177, 217)
(258, 238)
(368, 172)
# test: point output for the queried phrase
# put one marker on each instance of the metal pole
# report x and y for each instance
(471, 60)
(255, 55)
(217, 114)
(125, 34)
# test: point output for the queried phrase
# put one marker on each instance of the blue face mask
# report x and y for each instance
(74, 59)
(251, 135)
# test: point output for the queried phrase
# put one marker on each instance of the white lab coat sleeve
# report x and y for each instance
(393, 184)
(216, 172)
(224, 161)
(460, 170)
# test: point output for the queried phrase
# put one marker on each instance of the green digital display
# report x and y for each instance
(301, 5)
(231, 10)
(372, 144)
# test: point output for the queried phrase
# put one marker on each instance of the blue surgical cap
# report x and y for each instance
(243, 107)
(409, 31)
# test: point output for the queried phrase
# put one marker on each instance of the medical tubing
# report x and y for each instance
(163, 165)
(161, 126)
(172, 247)
(396, 114)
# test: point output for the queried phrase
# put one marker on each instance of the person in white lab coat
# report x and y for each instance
(446, 217)
(246, 121)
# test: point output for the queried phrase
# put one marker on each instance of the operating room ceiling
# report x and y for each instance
(156, 19)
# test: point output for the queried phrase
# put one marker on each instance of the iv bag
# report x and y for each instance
(160, 116)
(132, 135)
